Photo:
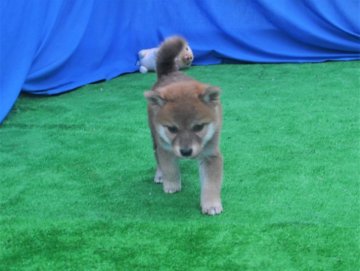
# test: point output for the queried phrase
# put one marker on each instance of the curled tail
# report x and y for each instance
(169, 50)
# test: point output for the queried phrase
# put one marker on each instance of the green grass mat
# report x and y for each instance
(76, 171)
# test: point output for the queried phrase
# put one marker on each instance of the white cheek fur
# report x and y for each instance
(209, 134)
(162, 133)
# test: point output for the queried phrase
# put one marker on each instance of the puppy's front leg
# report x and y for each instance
(168, 164)
(211, 178)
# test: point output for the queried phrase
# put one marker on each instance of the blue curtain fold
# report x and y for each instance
(52, 46)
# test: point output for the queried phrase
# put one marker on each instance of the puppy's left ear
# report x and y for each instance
(211, 95)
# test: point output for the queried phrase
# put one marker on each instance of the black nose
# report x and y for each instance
(186, 152)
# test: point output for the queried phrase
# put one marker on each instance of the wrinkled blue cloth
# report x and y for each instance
(52, 46)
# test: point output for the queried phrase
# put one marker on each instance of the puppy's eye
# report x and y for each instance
(198, 128)
(172, 129)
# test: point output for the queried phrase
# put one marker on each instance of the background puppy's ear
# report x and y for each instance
(154, 98)
(211, 94)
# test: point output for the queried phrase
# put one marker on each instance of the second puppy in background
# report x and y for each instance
(147, 59)
(185, 121)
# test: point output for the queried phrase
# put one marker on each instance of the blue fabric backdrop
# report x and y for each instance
(53, 46)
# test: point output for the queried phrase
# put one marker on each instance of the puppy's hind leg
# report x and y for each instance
(158, 176)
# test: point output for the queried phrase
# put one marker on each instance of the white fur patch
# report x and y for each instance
(209, 134)
(177, 150)
(162, 133)
(166, 141)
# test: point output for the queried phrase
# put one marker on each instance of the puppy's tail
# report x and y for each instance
(169, 50)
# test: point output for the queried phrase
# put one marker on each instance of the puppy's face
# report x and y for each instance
(186, 116)
(186, 57)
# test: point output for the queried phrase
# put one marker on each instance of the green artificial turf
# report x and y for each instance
(77, 191)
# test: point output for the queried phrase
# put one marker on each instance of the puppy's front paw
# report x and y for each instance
(158, 176)
(211, 209)
(171, 187)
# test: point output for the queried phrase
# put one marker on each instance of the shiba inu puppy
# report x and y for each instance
(185, 121)
(147, 59)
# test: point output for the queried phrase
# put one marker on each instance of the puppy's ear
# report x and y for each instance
(211, 95)
(154, 98)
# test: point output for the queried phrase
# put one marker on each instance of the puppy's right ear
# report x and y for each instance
(154, 98)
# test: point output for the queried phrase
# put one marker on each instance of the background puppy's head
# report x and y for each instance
(185, 57)
(186, 116)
